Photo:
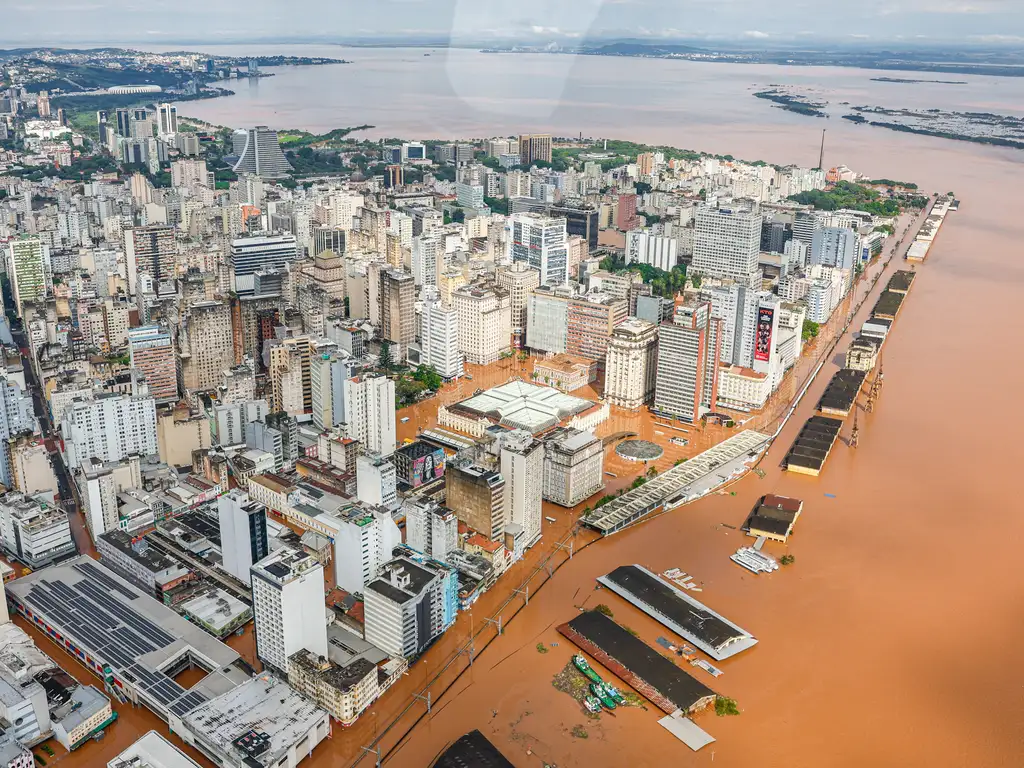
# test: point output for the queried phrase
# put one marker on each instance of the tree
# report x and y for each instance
(695, 280)
(427, 375)
(652, 472)
(385, 359)
(810, 330)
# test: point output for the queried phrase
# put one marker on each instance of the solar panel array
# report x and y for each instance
(113, 632)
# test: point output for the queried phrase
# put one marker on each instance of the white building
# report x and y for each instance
(727, 243)
(430, 529)
(428, 258)
(328, 373)
(522, 466)
(484, 323)
(288, 606)
(33, 531)
(250, 255)
(364, 539)
(229, 423)
(439, 336)
(28, 268)
(376, 481)
(99, 483)
(152, 750)
(243, 534)
(405, 608)
(632, 363)
(540, 242)
(743, 388)
(643, 246)
(573, 466)
(835, 247)
(109, 428)
(370, 413)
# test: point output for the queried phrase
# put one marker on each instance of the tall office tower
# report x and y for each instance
(547, 318)
(28, 269)
(427, 258)
(167, 119)
(284, 371)
(738, 308)
(243, 534)
(775, 233)
(477, 496)
(834, 247)
(439, 336)
(141, 189)
(328, 373)
(376, 481)
(109, 428)
(522, 467)
(805, 224)
(533, 148)
(43, 104)
(206, 327)
(185, 173)
(343, 207)
(409, 605)
(727, 243)
(398, 313)
(288, 607)
(688, 353)
(17, 417)
(590, 322)
(625, 213)
(573, 466)
(260, 153)
(150, 251)
(485, 323)
(430, 528)
(328, 239)
(518, 279)
(394, 176)
(250, 255)
(540, 243)
(124, 122)
(151, 351)
(370, 413)
(631, 364)
(581, 220)
(101, 125)
(645, 247)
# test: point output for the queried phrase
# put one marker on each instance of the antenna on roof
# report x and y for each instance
(821, 155)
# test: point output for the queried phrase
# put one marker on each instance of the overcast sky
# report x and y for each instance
(754, 21)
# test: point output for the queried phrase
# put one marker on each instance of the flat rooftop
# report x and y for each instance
(841, 392)
(888, 304)
(901, 281)
(674, 609)
(524, 406)
(115, 624)
(152, 751)
(815, 441)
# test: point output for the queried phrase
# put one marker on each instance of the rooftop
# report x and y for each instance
(284, 565)
(152, 751)
(524, 406)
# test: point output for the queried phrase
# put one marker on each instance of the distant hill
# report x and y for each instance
(641, 48)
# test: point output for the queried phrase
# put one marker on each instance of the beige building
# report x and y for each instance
(743, 388)
(345, 692)
(31, 470)
(565, 372)
(476, 495)
(209, 348)
(285, 376)
(178, 433)
(862, 354)
(518, 280)
(632, 363)
(485, 322)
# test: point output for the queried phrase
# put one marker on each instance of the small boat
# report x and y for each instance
(606, 701)
(582, 665)
(612, 691)
(592, 704)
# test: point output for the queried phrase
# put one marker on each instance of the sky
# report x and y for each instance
(753, 22)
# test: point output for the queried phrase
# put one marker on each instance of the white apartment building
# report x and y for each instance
(288, 606)
(522, 466)
(99, 483)
(727, 243)
(643, 246)
(243, 534)
(370, 413)
(376, 481)
(364, 539)
(632, 363)
(428, 258)
(228, 422)
(439, 336)
(110, 428)
(485, 323)
(540, 242)
(328, 373)
(404, 608)
(430, 529)
(743, 388)
(33, 531)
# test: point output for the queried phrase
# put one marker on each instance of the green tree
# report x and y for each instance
(695, 280)
(385, 360)
(810, 330)
(427, 375)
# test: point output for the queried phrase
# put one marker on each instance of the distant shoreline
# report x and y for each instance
(908, 81)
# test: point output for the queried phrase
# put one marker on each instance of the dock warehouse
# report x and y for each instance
(888, 305)
(901, 281)
(631, 659)
(718, 637)
(812, 446)
(774, 517)
(841, 393)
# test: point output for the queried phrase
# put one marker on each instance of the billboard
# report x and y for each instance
(427, 468)
(763, 340)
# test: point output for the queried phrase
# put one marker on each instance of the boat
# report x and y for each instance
(614, 692)
(582, 665)
(592, 704)
(606, 701)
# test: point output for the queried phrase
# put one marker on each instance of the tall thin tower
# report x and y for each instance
(821, 155)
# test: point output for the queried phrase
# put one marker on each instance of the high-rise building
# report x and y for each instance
(547, 319)
(477, 496)
(17, 417)
(835, 247)
(250, 255)
(631, 364)
(394, 176)
(110, 428)
(533, 148)
(288, 607)
(206, 327)
(645, 247)
(805, 224)
(28, 268)
(229, 423)
(688, 355)
(522, 467)
(167, 119)
(518, 279)
(99, 483)
(439, 336)
(540, 243)
(428, 258)
(376, 481)
(101, 126)
(581, 220)
(431, 529)
(398, 315)
(409, 605)
(43, 104)
(328, 373)
(625, 212)
(260, 153)
(727, 243)
(285, 375)
(124, 122)
(149, 250)
(243, 534)
(590, 322)
(151, 352)
(370, 413)
(573, 466)
(185, 173)
(484, 321)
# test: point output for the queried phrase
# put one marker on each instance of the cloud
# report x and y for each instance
(998, 39)
(755, 34)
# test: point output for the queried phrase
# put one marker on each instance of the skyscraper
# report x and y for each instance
(631, 364)
(834, 247)
(518, 279)
(149, 250)
(151, 351)
(206, 327)
(17, 416)
(477, 495)
(439, 336)
(109, 428)
(727, 243)
(533, 148)
(370, 413)
(688, 352)
(260, 153)
(167, 116)
(28, 267)
(250, 255)
(522, 467)
(540, 243)
(243, 534)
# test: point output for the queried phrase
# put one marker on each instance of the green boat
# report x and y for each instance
(598, 690)
(592, 704)
(612, 691)
(582, 665)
